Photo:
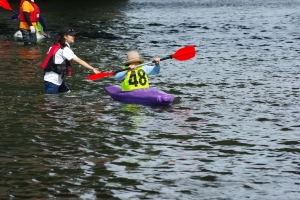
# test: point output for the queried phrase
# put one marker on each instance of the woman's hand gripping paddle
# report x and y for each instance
(181, 54)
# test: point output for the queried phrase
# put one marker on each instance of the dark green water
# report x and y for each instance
(232, 132)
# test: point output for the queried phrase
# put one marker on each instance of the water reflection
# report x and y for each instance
(134, 114)
(57, 142)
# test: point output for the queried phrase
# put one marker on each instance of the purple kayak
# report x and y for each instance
(149, 96)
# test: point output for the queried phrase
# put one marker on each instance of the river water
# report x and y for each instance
(233, 131)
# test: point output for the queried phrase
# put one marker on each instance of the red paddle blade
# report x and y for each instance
(100, 75)
(5, 5)
(185, 53)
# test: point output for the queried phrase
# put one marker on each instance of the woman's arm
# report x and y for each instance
(85, 64)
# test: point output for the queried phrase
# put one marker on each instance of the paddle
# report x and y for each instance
(181, 54)
(4, 4)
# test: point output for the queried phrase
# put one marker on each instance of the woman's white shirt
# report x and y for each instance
(60, 56)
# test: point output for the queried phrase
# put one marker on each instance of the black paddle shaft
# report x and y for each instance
(164, 58)
(121, 70)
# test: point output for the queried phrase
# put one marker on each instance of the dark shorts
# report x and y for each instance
(51, 88)
(28, 37)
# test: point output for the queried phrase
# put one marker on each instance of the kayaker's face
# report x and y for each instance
(69, 38)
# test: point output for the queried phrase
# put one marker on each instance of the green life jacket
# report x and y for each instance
(135, 79)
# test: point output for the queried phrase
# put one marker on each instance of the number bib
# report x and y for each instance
(135, 79)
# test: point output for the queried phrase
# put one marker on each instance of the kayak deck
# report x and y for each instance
(149, 96)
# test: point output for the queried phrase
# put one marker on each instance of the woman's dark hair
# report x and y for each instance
(62, 42)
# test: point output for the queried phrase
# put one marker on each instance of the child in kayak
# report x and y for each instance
(136, 77)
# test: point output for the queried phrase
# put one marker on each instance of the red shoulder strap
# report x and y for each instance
(53, 50)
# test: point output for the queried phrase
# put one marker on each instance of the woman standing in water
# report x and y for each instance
(58, 62)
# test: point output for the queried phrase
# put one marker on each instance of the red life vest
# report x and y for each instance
(49, 63)
(34, 16)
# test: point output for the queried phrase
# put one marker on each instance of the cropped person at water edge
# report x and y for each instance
(29, 16)
(58, 62)
(40, 25)
(136, 77)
